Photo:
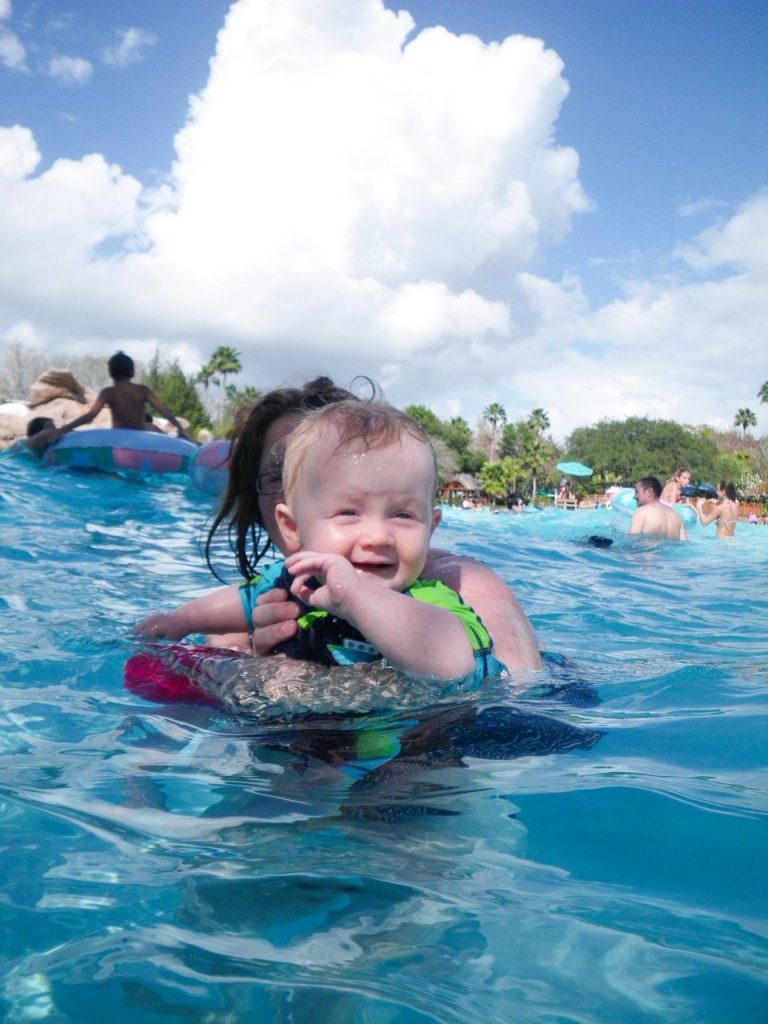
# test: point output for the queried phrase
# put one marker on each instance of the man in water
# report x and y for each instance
(41, 431)
(651, 516)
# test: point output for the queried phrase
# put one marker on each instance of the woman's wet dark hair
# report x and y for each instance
(239, 508)
(728, 490)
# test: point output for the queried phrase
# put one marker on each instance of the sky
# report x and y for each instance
(557, 204)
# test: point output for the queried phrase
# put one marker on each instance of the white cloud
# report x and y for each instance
(738, 242)
(70, 70)
(131, 46)
(331, 172)
(19, 155)
(351, 198)
(13, 54)
(697, 207)
(54, 223)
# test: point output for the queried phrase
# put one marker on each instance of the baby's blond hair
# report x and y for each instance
(370, 425)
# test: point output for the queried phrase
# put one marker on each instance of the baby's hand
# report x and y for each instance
(161, 626)
(334, 574)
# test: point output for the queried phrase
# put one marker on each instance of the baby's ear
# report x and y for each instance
(437, 516)
(289, 531)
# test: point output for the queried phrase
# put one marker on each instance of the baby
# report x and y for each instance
(359, 481)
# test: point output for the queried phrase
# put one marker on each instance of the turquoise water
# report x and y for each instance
(588, 846)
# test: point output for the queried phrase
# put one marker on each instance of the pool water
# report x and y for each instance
(584, 844)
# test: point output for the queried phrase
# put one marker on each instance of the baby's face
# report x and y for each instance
(374, 507)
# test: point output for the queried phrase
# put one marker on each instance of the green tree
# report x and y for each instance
(538, 420)
(536, 454)
(206, 377)
(762, 394)
(237, 400)
(510, 440)
(178, 392)
(224, 362)
(494, 415)
(472, 461)
(622, 451)
(426, 419)
(745, 418)
(455, 433)
(498, 477)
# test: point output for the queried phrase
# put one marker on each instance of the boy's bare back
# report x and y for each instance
(126, 402)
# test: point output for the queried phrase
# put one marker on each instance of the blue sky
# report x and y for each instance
(578, 226)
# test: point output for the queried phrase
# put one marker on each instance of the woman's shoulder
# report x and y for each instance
(457, 571)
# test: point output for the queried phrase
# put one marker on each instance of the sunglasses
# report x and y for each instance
(269, 482)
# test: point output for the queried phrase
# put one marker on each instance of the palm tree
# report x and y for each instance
(539, 420)
(498, 478)
(745, 418)
(224, 361)
(762, 394)
(534, 457)
(205, 376)
(495, 414)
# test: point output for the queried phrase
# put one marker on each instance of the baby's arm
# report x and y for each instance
(219, 612)
(415, 637)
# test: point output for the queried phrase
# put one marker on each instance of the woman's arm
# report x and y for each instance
(705, 518)
(273, 621)
(219, 612)
(514, 641)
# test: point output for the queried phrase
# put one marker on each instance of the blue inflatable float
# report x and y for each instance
(209, 469)
(111, 450)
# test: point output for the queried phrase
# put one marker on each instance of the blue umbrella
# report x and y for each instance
(574, 468)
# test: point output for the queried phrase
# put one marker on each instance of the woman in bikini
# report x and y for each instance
(670, 492)
(725, 510)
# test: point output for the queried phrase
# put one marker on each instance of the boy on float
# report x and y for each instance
(125, 400)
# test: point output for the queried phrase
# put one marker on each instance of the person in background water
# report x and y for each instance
(125, 400)
(725, 511)
(41, 431)
(248, 510)
(653, 517)
(671, 491)
(514, 502)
